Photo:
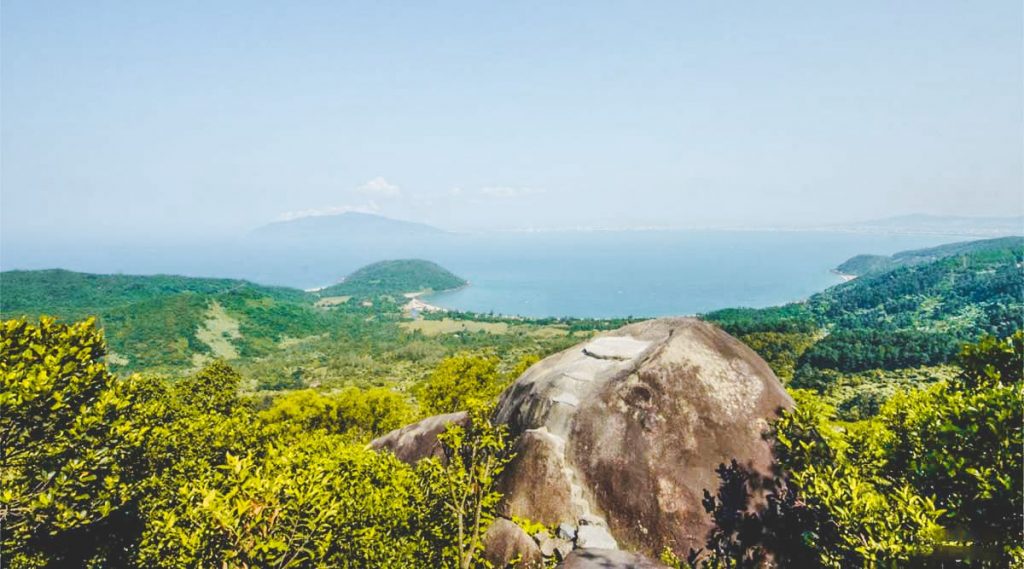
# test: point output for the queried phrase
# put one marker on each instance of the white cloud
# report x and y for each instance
(370, 207)
(380, 187)
(509, 191)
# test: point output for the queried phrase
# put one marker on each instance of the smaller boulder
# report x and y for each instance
(566, 531)
(595, 537)
(417, 441)
(505, 543)
(608, 559)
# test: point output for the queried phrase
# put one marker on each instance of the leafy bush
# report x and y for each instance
(362, 413)
(461, 381)
(73, 439)
(316, 502)
(934, 476)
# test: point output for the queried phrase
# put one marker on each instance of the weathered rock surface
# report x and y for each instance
(642, 417)
(618, 437)
(506, 542)
(418, 440)
(549, 495)
(608, 559)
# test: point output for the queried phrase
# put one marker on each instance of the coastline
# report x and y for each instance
(845, 276)
(417, 303)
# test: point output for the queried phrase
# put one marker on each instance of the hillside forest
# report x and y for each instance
(165, 421)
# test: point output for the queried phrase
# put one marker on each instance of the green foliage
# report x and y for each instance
(782, 351)
(936, 474)
(864, 264)
(133, 472)
(73, 437)
(278, 338)
(461, 381)
(461, 488)
(362, 413)
(963, 297)
(788, 319)
(992, 361)
(395, 278)
(961, 442)
(859, 342)
(861, 395)
(865, 349)
(316, 502)
(152, 321)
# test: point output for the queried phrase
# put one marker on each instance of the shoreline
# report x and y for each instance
(845, 276)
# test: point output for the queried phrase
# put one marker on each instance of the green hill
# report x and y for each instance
(395, 278)
(279, 338)
(165, 321)
(864, 264)
(880, 326)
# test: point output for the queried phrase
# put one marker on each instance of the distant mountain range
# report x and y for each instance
(345, 226)
(351, 225)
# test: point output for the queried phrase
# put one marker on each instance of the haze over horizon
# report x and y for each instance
(157, 121)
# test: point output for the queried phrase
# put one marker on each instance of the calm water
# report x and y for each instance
(595, 274)
(653, 273)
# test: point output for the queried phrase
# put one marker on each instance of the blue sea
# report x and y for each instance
(582, 274)
(615, 274)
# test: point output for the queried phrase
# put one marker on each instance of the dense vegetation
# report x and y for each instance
(101, 471)
(889, 324)
(395, 277)
(934, 477)
(279, 338)
(864, 264)
(243, 443)
(905, 446)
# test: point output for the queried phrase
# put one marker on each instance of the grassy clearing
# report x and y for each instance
(329, 301)
(449, 326)
(217, 332)
(556, 331)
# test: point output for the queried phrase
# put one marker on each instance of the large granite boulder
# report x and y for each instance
(636, 421)
(618, 438)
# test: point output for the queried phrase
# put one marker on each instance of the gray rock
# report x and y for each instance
(627, 427)
(566, 531)
(505, 542)
(595, 536)
(547, 544)
(418, 440)
(592, 520)
(563, 549)
(658, 405)
(608, 559)
(534, 485)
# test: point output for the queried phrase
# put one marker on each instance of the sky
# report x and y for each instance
(148, 120)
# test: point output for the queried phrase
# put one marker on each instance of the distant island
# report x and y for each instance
(343, 226)
(402, 276)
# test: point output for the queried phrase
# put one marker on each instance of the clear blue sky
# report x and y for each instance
(155, 118)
